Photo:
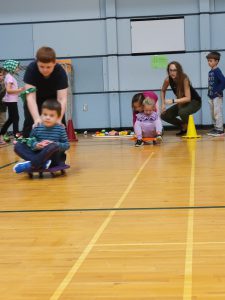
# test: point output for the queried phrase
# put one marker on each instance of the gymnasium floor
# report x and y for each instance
(124, 223)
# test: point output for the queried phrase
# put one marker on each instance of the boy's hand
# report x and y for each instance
(43, 144)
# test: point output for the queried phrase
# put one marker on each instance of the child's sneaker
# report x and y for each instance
(2, 142)
(22, 167)
(47, 164)
(139, 143)
(158, 139)
(6, 138)
(217, 133)
(211, 132)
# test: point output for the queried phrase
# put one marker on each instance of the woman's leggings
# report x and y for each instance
(183, 111)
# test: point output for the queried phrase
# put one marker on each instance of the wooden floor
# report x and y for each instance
(125, 223)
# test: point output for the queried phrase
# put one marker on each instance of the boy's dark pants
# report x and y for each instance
(39, 157)
(171, 114)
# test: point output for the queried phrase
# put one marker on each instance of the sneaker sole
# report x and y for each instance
(216, 135)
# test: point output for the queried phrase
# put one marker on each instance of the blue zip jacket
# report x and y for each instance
(216, 83)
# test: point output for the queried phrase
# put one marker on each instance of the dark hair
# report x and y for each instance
(46, 55)
(213, 55)
(2, 70)
(181, 76)
(52, 104)
(137, 98)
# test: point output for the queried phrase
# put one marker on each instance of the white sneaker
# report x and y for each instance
(47, 164)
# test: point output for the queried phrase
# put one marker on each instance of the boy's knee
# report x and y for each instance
(54, 146)
(17, 146)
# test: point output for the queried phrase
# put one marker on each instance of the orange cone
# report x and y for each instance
(71, 132)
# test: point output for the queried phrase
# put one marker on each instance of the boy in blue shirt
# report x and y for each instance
(48, 141)
(216, 85)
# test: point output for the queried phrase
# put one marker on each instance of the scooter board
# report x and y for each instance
(112, 136)
(147, 140)
(53, 171)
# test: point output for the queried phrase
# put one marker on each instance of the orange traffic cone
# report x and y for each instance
(71, 132)
(191, 130)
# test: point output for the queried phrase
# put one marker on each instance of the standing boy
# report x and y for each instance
(50, 81)
(216, 85)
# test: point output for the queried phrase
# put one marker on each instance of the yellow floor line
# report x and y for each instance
(66, 281)
(187, 293)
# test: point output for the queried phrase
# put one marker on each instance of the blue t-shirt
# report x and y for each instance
(216, 83)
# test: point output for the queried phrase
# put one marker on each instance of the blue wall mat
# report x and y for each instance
(72, 38)
(219, 5)
(97, 115)
(101, 49)
(88, 76)
(127, 8)
(126, 113)
(33, 11)
(16, 41)
(217, 26)
(192, 37)
(124, 36)
(136, 73)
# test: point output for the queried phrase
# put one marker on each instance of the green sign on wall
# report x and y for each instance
(159, 61)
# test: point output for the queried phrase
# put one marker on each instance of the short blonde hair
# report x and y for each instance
(149, 101)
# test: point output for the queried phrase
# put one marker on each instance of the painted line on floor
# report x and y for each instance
(9, 164)
(157, 244)
(126, 209)
(187, 292)
(68, 278)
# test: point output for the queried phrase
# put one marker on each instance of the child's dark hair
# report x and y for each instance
(213, 55)
(137, 98)
(46, 55)
(52, 104)
(2, 70)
